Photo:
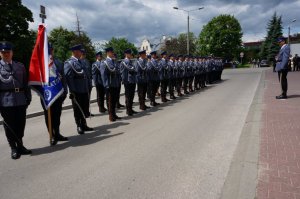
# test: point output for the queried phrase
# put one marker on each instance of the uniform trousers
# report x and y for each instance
(112, 94)
(100, 96)
(282, 75)
(129, 94)
(55, 110)
(163, 88)
(154, 85)
(80, 103)
(14, 124)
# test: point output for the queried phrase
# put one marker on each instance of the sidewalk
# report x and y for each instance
(279, 158)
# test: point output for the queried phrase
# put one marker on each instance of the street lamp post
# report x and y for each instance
(188, 26)
(289, 28)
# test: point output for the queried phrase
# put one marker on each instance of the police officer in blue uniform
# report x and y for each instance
(186, 74)
(142, 78)
(197, 73)
(164, 76)
(154, 77)
(128, 73)
(15, 96)
(180, 75)
(173, 74)
(89, 76)
(111, 82)
(79, 86)
(56, 107)
(96, 74)
(190, 72)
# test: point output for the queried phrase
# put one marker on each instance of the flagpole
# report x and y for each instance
(50, 124)
(43, 16)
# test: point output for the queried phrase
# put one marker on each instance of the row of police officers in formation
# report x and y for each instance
(181, 74)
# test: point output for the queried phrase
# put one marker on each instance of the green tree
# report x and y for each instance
(270, 48)
(120, 45)
(222, 37)
(178, 45)
(62, 39)
(14, 28)
(84, 39)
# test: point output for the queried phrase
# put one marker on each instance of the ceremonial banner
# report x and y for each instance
(43, 76)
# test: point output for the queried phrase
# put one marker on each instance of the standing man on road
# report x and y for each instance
(78, 83)
(98, 82)
(154, 77)
(15, 96)
(282, 66)
(56, 107)
(164, 76)
(128, 74)
(142, 78)
(111, 82)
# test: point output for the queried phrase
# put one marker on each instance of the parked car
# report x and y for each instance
(264, 63)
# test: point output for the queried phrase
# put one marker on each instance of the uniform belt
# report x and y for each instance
(13, 90)
(79, 77)
(278, 60)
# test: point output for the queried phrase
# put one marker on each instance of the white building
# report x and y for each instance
(146, 46)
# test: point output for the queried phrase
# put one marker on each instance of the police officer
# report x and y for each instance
(197, 73)
(154, 77)
(79, 86)
(180, 75)
(164, 76)
(111, 82)
(56, 107)
(98, 82)
(128, 73)
(190, 72)
(118, 62)
(89, 76)
(142, 78)
(185, 74)
(15, 96)
(172, 71)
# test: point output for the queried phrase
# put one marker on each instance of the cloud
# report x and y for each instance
(139, 19)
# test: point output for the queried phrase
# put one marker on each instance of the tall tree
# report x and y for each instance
(270, 48)
(178, 45)
(222, 37)
(14, 28)
(62, 39)
(120, 45)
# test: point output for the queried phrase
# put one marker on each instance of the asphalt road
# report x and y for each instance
(181, 149)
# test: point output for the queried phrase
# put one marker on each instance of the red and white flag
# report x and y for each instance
(39, 63)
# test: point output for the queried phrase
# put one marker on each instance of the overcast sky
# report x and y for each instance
(139, 19)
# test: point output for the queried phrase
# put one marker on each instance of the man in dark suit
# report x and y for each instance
(282, 66)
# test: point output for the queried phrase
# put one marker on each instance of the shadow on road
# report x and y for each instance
(294, 96)
(99, 134)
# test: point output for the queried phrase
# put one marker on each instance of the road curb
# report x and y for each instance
(241, 180)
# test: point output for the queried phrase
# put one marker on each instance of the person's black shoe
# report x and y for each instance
(86, 128)
(134, 112)
(14, 154)
(281, 97)
(53, 142)
(61, 138)
(23, 151)
(80, 130)
(147, 107)
(117, 117)
(120, 106)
